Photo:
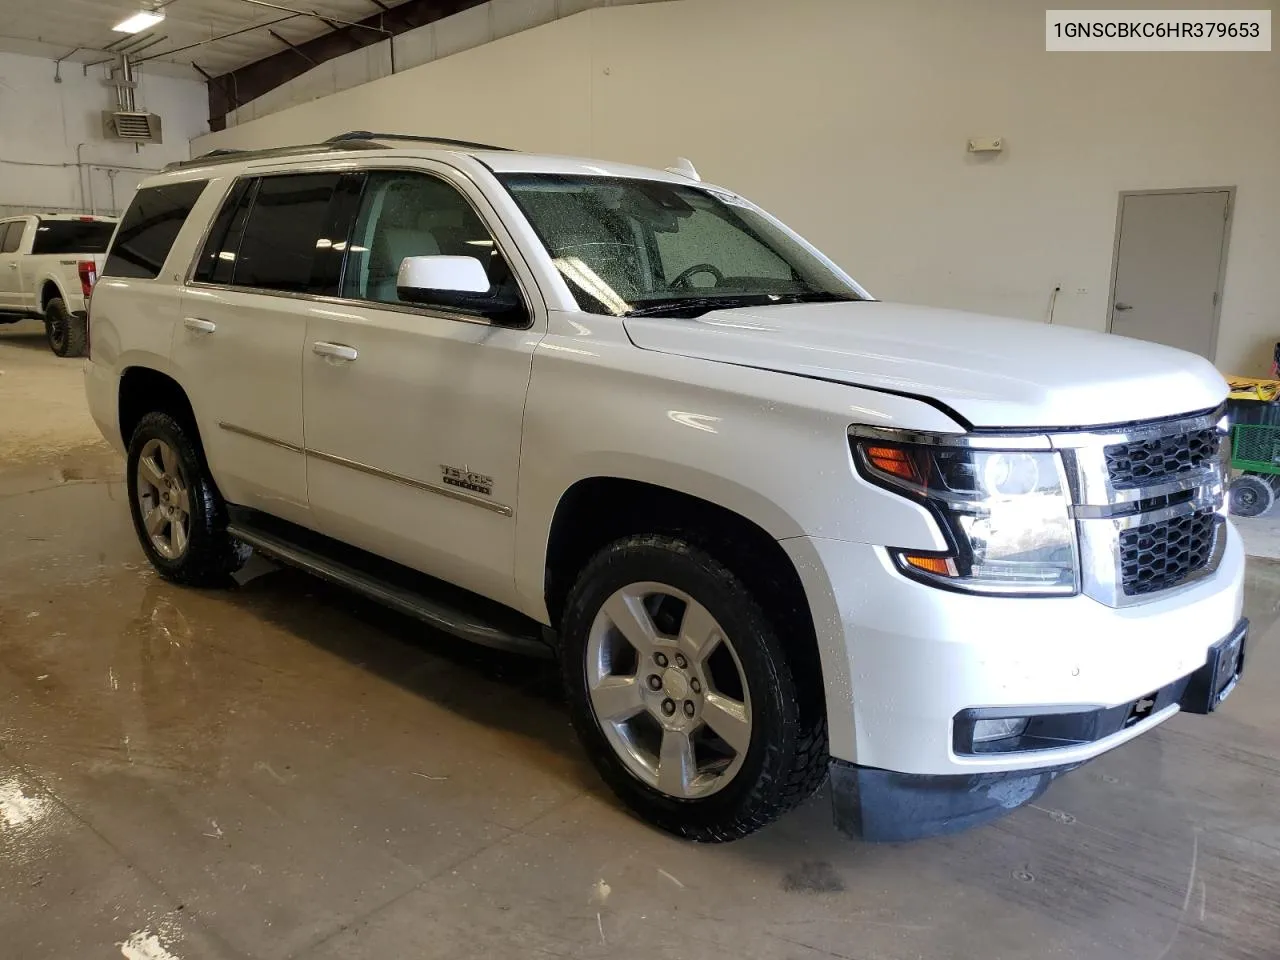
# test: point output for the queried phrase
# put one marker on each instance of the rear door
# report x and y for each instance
(239, 344)
(414, 412)
(11, 236)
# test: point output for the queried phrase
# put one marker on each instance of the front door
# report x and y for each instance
(413, 413)
(1170, 256)
(240, 341)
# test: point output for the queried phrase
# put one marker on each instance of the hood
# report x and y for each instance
(991, 371)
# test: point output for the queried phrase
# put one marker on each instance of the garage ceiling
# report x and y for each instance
(54, 28)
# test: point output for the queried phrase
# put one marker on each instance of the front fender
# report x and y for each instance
(771, 447)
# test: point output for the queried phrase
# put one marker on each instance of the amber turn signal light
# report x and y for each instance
(939, 566)
(892, 460)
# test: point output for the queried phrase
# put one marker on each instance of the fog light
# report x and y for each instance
(984, 731)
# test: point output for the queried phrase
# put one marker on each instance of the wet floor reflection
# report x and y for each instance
(292, 765)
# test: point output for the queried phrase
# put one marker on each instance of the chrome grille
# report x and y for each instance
(1147, 502)
(1140, 463)
(1157, 556)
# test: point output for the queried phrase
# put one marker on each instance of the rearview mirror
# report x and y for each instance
(458, 283)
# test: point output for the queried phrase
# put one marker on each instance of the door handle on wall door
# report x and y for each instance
(1124, 306)
(334, 351)
(196, 325)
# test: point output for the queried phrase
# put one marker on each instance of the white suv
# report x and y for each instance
(770, 526)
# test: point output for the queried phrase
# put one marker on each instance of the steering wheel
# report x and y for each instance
(683, 279)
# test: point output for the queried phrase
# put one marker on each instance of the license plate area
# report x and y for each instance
(1213, 683)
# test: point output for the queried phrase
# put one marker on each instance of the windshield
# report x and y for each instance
(629, 247)
(73, 236)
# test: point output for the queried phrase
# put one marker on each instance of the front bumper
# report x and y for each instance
(883, 805)
(901, 659)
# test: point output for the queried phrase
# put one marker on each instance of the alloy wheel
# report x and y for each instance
(164, 500)
(58, 333)
(668, 690)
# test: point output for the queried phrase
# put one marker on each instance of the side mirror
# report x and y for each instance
(458, 283)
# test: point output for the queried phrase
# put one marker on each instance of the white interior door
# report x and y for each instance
(1169, 264)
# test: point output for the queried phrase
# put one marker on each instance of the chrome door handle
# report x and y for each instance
(335, 351)
(196, 325)
(1124, 306)
(13, 265)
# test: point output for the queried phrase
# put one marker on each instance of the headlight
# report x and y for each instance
(1005, 514)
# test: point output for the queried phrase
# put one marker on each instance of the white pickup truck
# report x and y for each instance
(48, 265)
(771, 527)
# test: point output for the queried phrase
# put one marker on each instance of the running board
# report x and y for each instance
(392, 585)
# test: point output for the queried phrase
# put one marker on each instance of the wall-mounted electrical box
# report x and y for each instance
(986, 144)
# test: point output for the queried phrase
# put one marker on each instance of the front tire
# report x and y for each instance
(64, 331)
(682, 693)
(178, 514)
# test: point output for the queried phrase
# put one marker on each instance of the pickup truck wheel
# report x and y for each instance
(177, 512)
(682, 693)
(65, 332)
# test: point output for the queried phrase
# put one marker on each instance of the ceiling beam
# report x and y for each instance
(227, 91)
(292, 47)
(254, 79)
(333, 22)
(164, 54)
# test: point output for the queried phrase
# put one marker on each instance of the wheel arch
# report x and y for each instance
(144, 389)
(600, 509)
(50, 290)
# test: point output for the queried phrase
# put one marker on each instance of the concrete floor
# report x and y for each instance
(281, 771)
(1261, 534)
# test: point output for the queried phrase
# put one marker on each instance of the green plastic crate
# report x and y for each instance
(1255, 448)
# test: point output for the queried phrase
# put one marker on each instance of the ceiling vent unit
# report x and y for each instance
(132, 126)
(127, 122)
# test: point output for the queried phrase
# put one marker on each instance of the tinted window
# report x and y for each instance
(149, 228)
(12, 236)
(73, 236)
(218, 258)
(285, 225)
(414, 215)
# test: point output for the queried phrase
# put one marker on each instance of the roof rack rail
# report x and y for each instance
(357, 135)
(351, 140)
(226, 155)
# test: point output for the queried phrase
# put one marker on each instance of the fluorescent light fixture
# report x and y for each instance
(143, 20)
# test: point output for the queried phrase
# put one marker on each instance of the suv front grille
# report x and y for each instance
(1144, 463)
(1156, 556)
(1147, 499)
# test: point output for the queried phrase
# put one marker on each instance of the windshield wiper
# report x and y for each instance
(695, 306)
(814, 296)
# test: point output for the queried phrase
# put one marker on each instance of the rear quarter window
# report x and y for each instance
(150, 227)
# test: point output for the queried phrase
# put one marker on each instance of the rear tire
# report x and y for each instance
(1251, 496)
(721, 792)
(178, 514)
(64, 331)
